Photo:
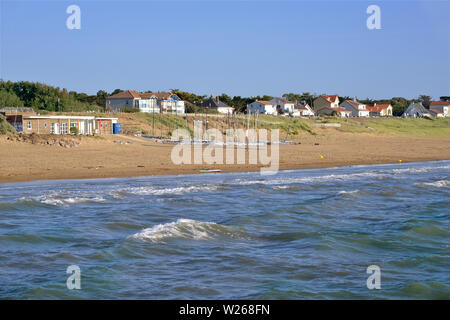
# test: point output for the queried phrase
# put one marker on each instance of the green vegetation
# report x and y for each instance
(73, 130)
(9, 99)
(5, 127)
(392, 125)
(43, 97)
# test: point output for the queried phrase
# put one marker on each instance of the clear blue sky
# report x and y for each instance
(236, 47)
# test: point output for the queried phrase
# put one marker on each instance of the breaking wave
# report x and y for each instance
(187, 229)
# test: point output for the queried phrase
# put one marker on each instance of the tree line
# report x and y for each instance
(42, 97)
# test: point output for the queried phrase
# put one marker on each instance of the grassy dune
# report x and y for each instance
(290, 128)
(398, 126)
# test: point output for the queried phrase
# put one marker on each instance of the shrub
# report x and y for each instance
(130, 110)
(73, 130)
(5, 126)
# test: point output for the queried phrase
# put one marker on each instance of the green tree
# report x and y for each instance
(9, 100)
(101, 98)
(399, 105)
(226, 99)
(116, 91)
(426, 100)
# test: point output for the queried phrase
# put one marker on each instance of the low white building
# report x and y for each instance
(216, 104)
(357, 108)
(442, 107)
(284, 105)
(262, 107)
(303, 110)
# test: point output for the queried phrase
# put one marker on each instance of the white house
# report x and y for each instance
(216, 104)
(441, 106)
(155, 102)
(304, 110)
(436, 113)
(262, 107)
(284, 105)
(357, 108)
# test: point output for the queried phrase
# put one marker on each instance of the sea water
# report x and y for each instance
(300, 234)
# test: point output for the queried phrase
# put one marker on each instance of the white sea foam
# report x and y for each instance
(419, 170)
(185, 229)
(285, 188)
(56, 200)
(156, 191)
(348, 192)
(379, 174)
(316, 179)
(437, 184)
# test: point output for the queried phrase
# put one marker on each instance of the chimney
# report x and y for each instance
(217, 99)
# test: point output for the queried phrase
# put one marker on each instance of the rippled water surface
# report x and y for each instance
(299, 234)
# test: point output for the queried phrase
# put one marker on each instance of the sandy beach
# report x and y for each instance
(105, 157)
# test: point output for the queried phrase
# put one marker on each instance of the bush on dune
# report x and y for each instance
(5, 127)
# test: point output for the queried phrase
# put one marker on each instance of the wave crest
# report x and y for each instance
(187, 229)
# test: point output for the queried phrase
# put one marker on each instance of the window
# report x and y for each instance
(29, 125)
(106, 125)
(52, 127)
(63, 128)
(45, 125)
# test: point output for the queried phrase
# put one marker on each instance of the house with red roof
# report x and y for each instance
(152, 102)
(262, 107)
(380, 110)
(442, 107)
(326, 101)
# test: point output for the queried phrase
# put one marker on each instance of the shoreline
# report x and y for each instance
(105, 158)
(216, 173)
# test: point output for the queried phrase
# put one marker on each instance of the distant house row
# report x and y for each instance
(166, 102)
(280, 106)
(330, 105)
(159, 102)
